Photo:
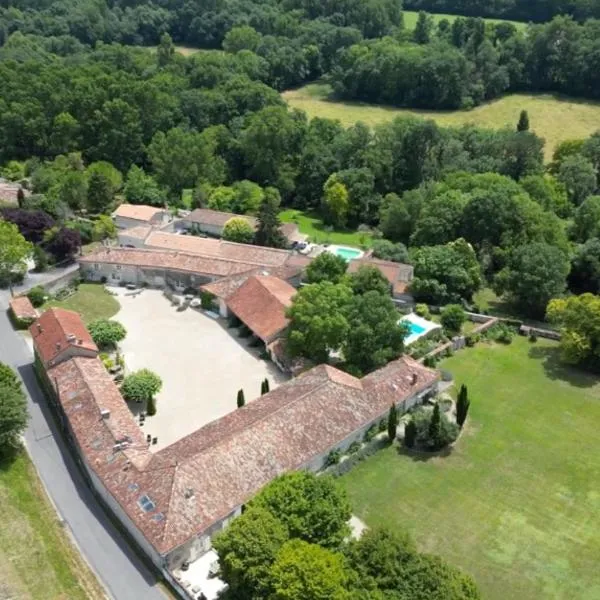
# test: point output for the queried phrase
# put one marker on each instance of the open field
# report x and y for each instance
(411, 16)
(37, 560)
(554, 118)
(91, 301)
(313, 226)
(513, 504)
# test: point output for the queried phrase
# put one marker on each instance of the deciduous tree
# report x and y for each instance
(13, 409)
(141, 385)
(107, 333)
(238, 229)
(326, 267)
(14, 251)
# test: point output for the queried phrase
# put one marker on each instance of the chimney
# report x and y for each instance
(39, 327)
(104, 413)
(71, 337)
(58, 345)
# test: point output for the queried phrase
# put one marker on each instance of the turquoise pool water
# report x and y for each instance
(414, 328)
(348, 253)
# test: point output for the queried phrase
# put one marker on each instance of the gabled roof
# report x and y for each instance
(392, 271)
(58, 329)
(216, 218)
(139, 212)
(260, 302)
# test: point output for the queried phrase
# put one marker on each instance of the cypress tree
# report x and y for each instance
(240, 398)
(523, 124)
(462, 405)
(267, 388)
(151, 407)
(392, 423)
(410, 434)
(435, 428)
(262, 387)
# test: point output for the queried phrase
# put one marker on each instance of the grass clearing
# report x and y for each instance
(91, 301)
(37, 559)
(514, 503)
(555, 118)
(313, 226)
(411, 16)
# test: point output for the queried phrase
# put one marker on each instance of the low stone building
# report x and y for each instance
(23, 312)
(135, 215)
(212, 222)
(172, 501)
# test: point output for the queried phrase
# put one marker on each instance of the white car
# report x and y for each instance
(196, 302)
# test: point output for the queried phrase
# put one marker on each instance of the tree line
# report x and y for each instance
(519, 10)
(466, 62)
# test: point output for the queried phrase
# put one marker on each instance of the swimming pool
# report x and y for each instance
(417, 326)
(345, 252)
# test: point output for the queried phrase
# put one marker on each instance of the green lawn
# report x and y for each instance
(313, 226)
(554, 118)
(516, 503)
(91, 301)
(411, 16)
(37, 560)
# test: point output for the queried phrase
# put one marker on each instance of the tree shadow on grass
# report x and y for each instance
(8, 456)
(422, 456)
(557, 370)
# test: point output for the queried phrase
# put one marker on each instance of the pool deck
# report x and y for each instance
(420, 322)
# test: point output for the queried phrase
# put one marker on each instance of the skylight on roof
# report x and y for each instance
(158, 517)
(146, 504)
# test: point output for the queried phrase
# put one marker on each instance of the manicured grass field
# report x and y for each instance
(313, 226)
(516, 503)
(411, 16)
(554, 118)
(91, 301)
(37, 560)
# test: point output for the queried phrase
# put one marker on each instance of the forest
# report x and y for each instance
(86, 119)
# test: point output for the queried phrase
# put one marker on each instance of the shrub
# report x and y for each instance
(422, 310)
(206, 300)
(106, 333)
(453, 316)
(151, 407)
(37, 295)
(501, 333)
(354, 447)
(472, 339)
(370, 433)
(141, 386)
(333, 458)
(382, 426)
(410, 434)
(430, 430)
(533, 336)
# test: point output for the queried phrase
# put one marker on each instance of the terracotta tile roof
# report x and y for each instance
(22, 308)
(216, 218)
(58, 329)
(392, 271)
(175, 261)
(203, 477)
(257, 255)
(226, 286)
(139, 232)
(139, 212)
(260, 302)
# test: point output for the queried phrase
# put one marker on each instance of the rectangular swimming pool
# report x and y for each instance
(417, 327)
(346, 252)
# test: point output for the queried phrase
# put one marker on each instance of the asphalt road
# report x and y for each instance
(107, 552)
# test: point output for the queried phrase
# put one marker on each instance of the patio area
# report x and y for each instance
(202, 363)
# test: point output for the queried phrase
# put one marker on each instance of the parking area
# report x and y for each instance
(202, 363)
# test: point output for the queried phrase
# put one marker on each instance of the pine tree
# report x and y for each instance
(392, 423)
(462, 405)
(523, 124)
(240, 398)
(435, 428)
(410, 434)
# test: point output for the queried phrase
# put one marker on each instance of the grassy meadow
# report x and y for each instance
(514, 503)
(91, 301)
(411, 16)
(37, 559)
(552, 117)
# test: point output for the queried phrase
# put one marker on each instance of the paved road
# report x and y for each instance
(109, 555)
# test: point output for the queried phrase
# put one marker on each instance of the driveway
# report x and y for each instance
(107, 552)
(202, 363)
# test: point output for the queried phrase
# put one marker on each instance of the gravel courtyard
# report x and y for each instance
(201, 362)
